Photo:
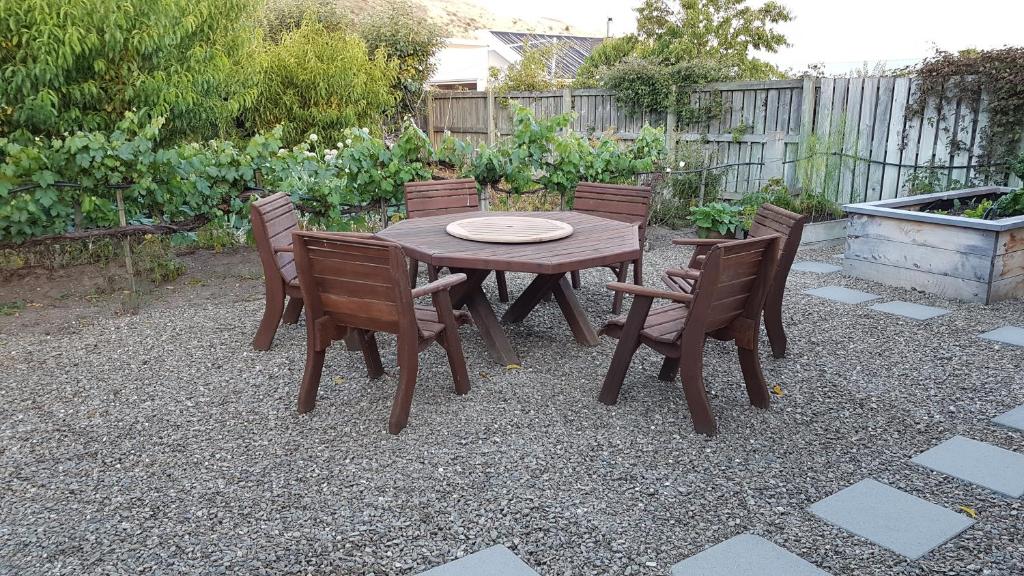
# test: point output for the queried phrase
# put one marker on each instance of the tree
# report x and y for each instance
(320, 82)
(83, 64)
(532, 73)
(724, 31)
(608, 53)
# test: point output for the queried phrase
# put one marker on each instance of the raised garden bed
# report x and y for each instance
(895, 242)
(824, 231)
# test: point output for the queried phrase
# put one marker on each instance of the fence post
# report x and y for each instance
(806, 117)
(566, 100)
(491, 136)
(774, 154)
(670, 127)
(430, 116)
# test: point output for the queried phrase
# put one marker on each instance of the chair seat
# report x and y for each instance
(430, 326)
(663, 324)
(677, 284)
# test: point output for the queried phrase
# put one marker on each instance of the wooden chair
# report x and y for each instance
(770, 219)
(436, 197)
(618, 202)
(353, 283)
(725, 303)
(273, 221)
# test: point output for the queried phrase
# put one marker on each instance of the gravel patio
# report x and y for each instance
(163, 444)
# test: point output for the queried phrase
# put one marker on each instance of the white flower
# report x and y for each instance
(340, 145)
(667, 169)
(681, 164)
(348, 141)
(312, 138)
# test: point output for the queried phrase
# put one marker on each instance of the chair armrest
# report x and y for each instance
(637, 290)
(438, 285)
(700, 241)
(287, 248)
(685, 273)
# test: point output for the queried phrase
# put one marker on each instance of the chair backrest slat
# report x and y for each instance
(771, 219)
(629, 204)
(359, 282)
(735, 280)
(273, 220)
(437, 197)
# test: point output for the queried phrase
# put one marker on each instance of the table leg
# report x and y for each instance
(530, 298)
(471, 295)
(573, 312)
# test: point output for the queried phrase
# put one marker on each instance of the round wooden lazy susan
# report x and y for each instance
(509, 229)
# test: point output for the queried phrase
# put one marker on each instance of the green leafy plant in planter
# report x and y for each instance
(1011, 204)
(717, 219)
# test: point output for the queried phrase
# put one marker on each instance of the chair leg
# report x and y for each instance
(414, 271)
(638, 269)
(311, 378)
(456, 360)
(432, 272)
(499, 277)
(292, 310)
(575, 276)
(620, 274)
(757, 388)
(629, 340)
(367, 343)
(408, 365)
(773, 325)
(669, 369)
(692, 374)
(272, 312)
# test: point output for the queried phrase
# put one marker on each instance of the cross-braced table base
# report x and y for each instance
(471, 295)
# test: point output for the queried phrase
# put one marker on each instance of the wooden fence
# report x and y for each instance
(848, 137)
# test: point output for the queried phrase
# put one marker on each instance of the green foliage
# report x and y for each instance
(154, 260)
(818, 169)
(929, 180)
(607, 54)
(639, 85)
(399, 31)
(315, 81)
(282, 16)
(1011, 204)
(966, 75)
(725, 32)
(532, 73)
(454, 153)
(979, 210)
(82, 64)
(773, 192)
(719, 217)
(681, 188)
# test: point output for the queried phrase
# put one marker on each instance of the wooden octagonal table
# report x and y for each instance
(595, 242)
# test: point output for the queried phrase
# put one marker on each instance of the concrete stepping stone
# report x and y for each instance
(840, 294)
(1013, 419)
(1006, 335)
(979, 463)
(816, 267)
(494, 561)
(910, 310)
(746, 555)
(890, 518)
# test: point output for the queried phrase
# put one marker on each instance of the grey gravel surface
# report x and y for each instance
(162, 444)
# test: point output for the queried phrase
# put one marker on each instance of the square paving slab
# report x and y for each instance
(910, 310)
(1014, 418)
(979, 463)
(493, 561)
(746, 555)
(840, 294)
(1007, 335)
(816, 267)
(890, 518)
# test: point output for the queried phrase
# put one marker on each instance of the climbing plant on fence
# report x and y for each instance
(56, 186)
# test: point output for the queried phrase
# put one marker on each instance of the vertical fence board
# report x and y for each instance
(883, 111)
(869, 99)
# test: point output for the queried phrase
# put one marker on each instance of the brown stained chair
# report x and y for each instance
(273, 221)
(437, 197)
(617, 202)
(725, 303)
(355, 284)
(770, 219)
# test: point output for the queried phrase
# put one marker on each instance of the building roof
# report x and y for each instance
(575, 49)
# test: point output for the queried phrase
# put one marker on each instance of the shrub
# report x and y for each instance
(717, 217)
(532, 73)
(282, 16)
(320, 82)
(82, 64)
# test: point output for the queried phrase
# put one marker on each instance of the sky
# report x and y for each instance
(842, 35)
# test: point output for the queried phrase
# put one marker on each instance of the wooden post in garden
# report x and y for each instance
(774, 154)
(491, 136)
(566, 100)
(670, 127)
(806, 116)
(430, 116)
(127, 243)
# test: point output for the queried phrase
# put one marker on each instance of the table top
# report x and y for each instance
(595, 241)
